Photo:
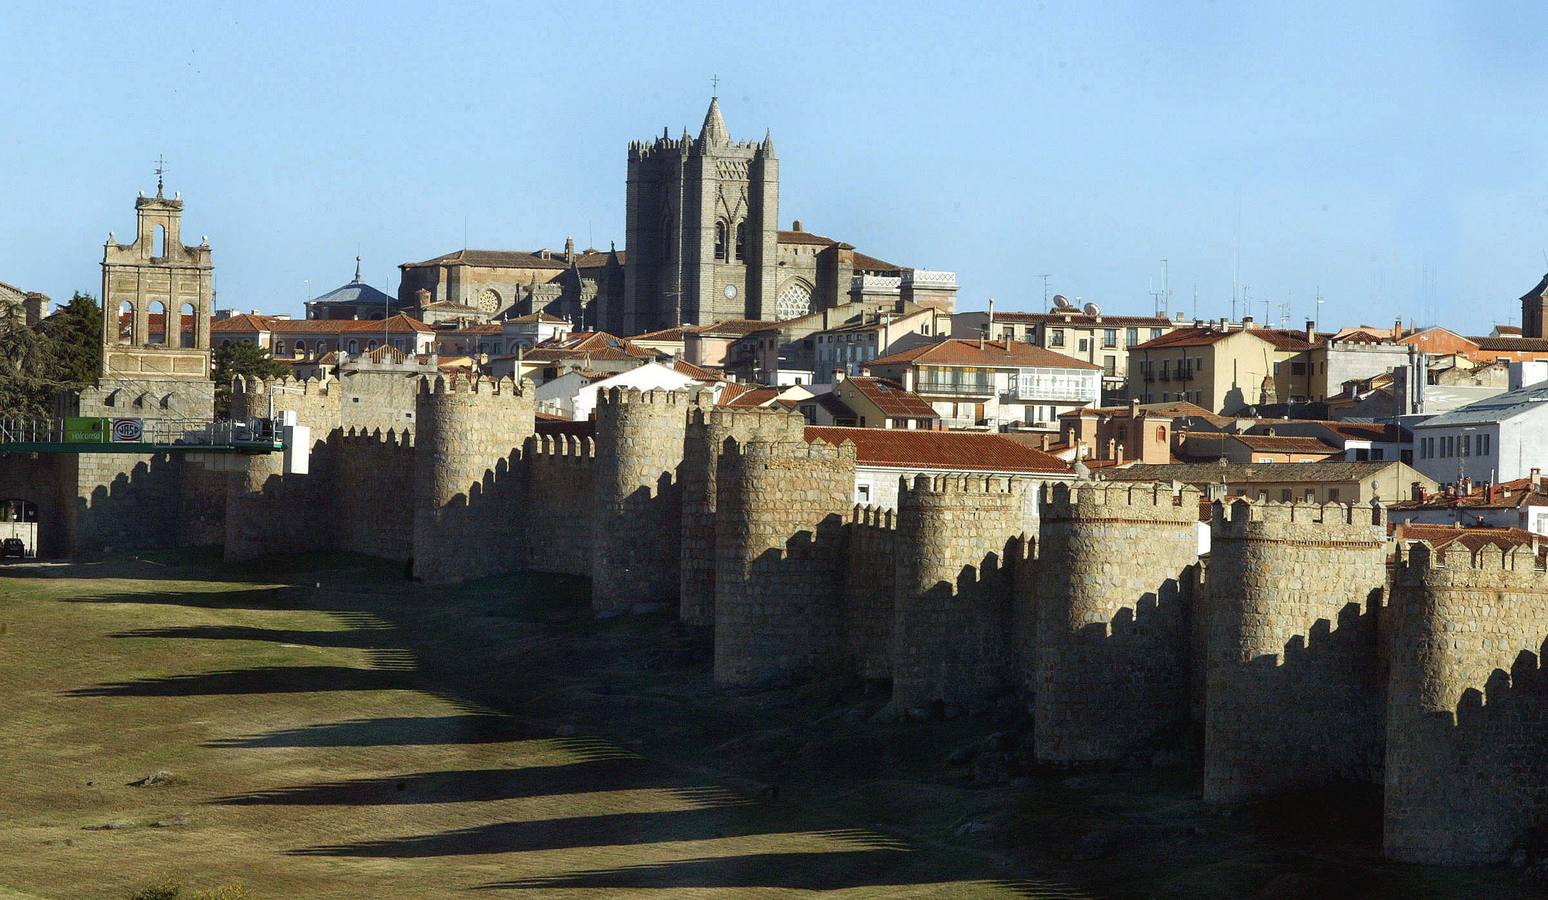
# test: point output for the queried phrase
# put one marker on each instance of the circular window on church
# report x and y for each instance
(795, 300)
(489, 300)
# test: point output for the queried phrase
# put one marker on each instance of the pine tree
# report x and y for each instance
(247, 360)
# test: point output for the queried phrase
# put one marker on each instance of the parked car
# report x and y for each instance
(13, 547)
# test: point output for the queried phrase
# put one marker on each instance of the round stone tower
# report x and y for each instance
(465, 496)
(1466, 772)
(637, 498)
(779, 552)
(707, 431)
(1111, 670)
(1294, 675)
(959, 541)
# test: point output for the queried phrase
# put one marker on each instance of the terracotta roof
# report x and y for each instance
(1507, 495)
(247, 323)
(598, 345)
(1204, 337)
(1508, 330)
(952, 451)
(1177, 409)
(1521, 344)
(594, 259)
(867, 263)
(675, 333)
(805, 237)
(735, 328)
(1080, 319)
(1473, 539)
(483, 328)
(891, 399)
(995, 354)
(537, 317)
(698, 373)
(498, 259)
(1251, 473)
(750, 397)
(1279, 443)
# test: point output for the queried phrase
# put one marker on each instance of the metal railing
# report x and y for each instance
(156, 433)
(975, 388)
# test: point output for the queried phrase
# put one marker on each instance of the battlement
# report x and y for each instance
(1419, 559)
(472, 384)
(1104, 500)
(749, 421)
(618, 396)
(306, 386)
(1243, 512)
(870, 516)
(390, 437)
(941, 485)
(561, 446)
(788, 454)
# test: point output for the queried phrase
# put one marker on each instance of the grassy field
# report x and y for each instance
(333, 731)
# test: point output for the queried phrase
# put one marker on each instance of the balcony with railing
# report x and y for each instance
(954, 387)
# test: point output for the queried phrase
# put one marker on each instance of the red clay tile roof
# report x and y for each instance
(1280, 443)
(485, 328)
(245, 323)
(1507, 495)
(1520, 344)
(804, 237)
(497, 259)
(698, 373)
(1508, 330)
(952, 451)
(735, 328)
(675, 333)
(597, 345)
(1443, 536)
(995, 354)
(891, 399)
(747, 396)
(1203, 337)
(1080, 319)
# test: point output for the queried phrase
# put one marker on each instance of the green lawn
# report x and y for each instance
(334, 731)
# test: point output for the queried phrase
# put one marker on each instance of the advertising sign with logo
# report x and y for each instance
(128, 431)
(83, 430)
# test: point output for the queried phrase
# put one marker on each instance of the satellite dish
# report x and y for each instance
(1062, 302)
(1092, 310)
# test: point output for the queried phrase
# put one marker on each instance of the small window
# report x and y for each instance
(1311, 495)
(1131, 337)
(720, 240)
(1284, 495)
(1332, 495)
(1085, 345)
(1110, 337)
(741, 239)
(1155, 333)
(1056, 338)
(862, 493)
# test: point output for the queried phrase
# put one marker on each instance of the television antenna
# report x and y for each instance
(1045, 276)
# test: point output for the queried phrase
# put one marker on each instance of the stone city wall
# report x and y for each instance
(780, 563)
(637, 498)
(1112, 619)
(869, 578)
(1294, 683)
(1466, 771)
(553, 520)
(962, 537)
(368, 490)
(707, 431)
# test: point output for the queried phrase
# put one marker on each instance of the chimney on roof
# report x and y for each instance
(1467, 486)
(1311, 331)
(838, 376)
(1416, 491)
(908, 378)
(422, 297)
(1247, 321)
(1397, 329)
(1134, 407)
(1047, 441)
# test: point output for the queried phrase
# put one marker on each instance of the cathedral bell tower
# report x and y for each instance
(702, 234)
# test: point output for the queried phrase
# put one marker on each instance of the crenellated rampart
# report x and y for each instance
(1309, 649)
(1295, 685)
(1466, 771)
(1112, 658)
(962, 539)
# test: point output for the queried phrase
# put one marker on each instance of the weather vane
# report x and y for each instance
(161, 169)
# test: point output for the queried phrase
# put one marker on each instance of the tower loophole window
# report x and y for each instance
(720, 240)
(666, 236)
(159, 243)
(741, 239)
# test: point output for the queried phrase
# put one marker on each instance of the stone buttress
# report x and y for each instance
(1467, 705)
(779, 605)
(465, 495)
(960, 538)
(636, 527)
(1111, 674)
(1294, 676)
(707, 430)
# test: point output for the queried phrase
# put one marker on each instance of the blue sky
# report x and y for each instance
(1388, 154)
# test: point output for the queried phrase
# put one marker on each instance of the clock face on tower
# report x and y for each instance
(730, 292)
